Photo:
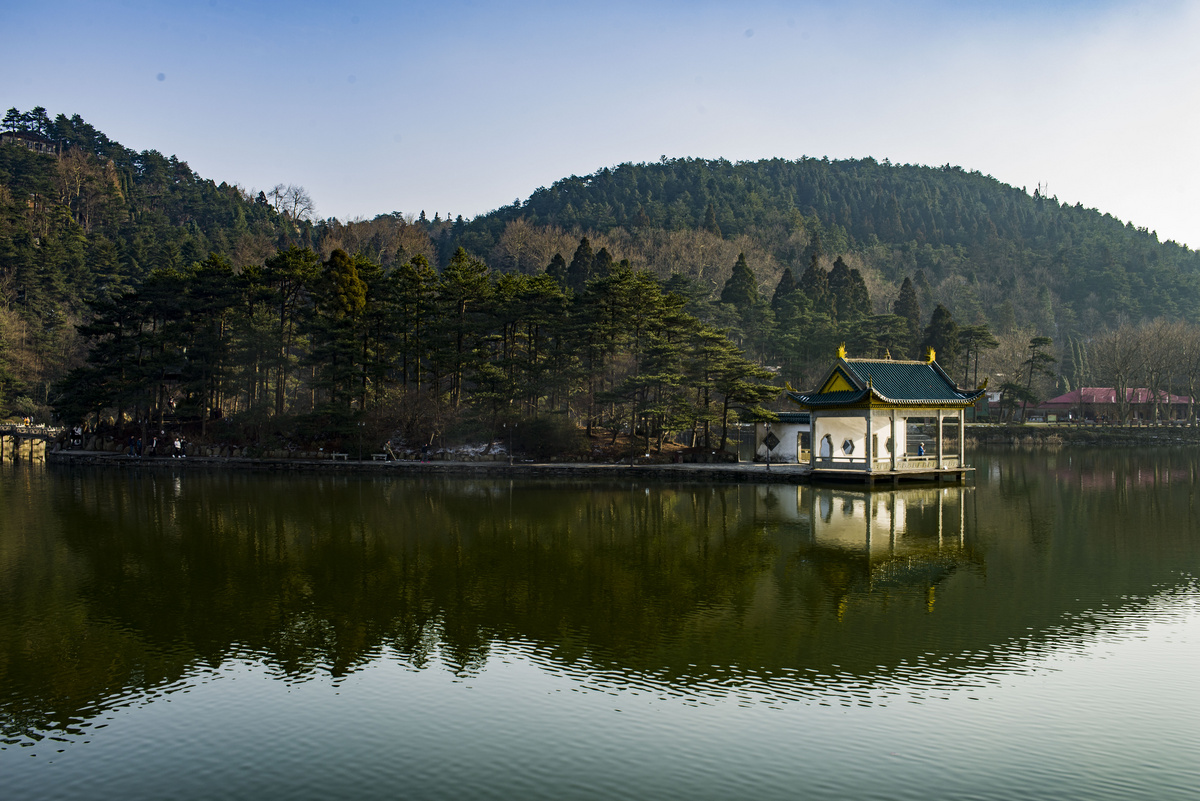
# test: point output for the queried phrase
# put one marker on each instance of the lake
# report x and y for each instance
(1035, 633)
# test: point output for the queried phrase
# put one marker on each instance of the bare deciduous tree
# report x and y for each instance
(1160, 341)
(1119, 356)
(1187, 365)
(296, 202)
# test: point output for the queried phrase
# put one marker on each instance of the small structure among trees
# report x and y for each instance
(29, 139)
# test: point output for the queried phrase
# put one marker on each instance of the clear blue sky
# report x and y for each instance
(460, 107)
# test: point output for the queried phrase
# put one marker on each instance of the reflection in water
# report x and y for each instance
(117, 586)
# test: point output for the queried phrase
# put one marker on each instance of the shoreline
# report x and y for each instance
(978, 435)
(731, 472)
(1066, 434)
(691, 473)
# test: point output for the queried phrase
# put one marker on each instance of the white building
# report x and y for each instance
(887, 416)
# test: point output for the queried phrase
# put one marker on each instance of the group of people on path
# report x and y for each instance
(177, 448)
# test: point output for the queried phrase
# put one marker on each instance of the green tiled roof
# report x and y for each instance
(900, 382)
(842, 398)
(906, 381)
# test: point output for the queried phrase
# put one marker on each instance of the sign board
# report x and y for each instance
(770, 440)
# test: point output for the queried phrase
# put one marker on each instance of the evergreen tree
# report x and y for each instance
(841, 292)
(603, 263)
(710, 220)
(416, 282)
(1039, 362)
(908, 307)
(741, 290)
(462, 293)
(814, 284)
(942, 335)
(783, 290)
(579, 272)
(858, 297)
(339, 298)
(557, 269)
(973, 339)
(287, 276)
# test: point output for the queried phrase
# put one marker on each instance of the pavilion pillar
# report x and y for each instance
(869, 450)
(894, 441)
(962, 438)
(939, 439)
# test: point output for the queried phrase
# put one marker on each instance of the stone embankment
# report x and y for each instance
(490, 466)
(1072, 434)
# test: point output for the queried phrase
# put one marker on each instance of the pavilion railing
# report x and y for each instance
(905, 463)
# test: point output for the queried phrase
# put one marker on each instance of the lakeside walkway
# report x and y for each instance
(721, 472)
(749, 472)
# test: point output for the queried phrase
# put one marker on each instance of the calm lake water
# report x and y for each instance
(193, 636)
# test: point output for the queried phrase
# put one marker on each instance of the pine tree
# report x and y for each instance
(973, 339)
(12, 120)
(907, 306)
(840, 291)
(462, 290)
(580, 269)
(814, 284)
(710, 220)
(741, 290)
(942, 335)
(557, 269)
(858, 297)
(783, 290)
(603, 263)
(1039, 362)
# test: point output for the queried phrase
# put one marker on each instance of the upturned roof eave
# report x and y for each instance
(810, 401)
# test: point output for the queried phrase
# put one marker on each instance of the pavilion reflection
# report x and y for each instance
(880, 523)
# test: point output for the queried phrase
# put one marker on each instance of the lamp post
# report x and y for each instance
(360, 435)
(511, 437)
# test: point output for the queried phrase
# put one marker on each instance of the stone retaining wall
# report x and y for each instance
(1058, 435)
(790, 474)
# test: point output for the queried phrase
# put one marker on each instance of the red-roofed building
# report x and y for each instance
(1100, 403)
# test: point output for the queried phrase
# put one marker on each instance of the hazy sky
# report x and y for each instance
(461, 107)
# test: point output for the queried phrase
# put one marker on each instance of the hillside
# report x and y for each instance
(987, 251)
(873, 248)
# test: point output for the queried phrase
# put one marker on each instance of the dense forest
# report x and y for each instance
(656, 298)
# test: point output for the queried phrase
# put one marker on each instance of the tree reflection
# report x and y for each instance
(118, 582)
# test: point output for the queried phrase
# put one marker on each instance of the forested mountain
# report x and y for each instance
(978, 242)
(102, 245)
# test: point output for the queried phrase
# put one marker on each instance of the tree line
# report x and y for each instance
(792, 258)
(309, 348)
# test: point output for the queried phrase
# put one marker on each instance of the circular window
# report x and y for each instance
(847, 447)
